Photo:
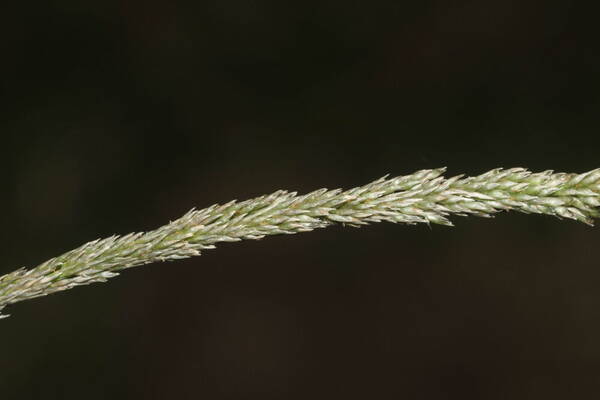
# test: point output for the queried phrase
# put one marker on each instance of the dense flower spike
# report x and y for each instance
(424, 196)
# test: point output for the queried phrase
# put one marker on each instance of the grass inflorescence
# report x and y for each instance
(422, 197)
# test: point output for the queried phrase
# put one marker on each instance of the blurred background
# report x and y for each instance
(117, 116)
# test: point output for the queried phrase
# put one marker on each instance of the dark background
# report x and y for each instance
(119, 116)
